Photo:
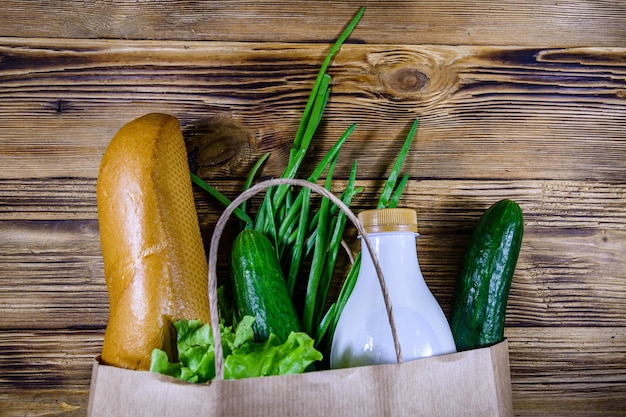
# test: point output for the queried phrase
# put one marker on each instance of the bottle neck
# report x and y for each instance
(396, 253)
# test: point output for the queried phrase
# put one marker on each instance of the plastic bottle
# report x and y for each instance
(363, 334)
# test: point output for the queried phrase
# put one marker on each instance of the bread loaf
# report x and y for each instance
(154, 260)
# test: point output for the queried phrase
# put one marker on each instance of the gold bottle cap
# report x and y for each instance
(389, 220)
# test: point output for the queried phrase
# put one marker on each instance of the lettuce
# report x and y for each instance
(243, 358)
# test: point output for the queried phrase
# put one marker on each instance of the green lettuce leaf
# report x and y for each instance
(243, 358)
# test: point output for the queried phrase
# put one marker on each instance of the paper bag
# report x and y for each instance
(471, 383)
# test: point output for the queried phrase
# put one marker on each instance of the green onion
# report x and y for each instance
(251, 175)
(395, 171)
(296, 229)
(221, 198)
(297, 246)
(389, 197)
(293, 212)
(329, 322)
(333, 249)
(317, 263)
(395, 198)
(322, 71)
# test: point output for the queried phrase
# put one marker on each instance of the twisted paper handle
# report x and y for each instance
(213, 250)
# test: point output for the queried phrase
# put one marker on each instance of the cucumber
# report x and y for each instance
(484, 280)
(259, 287)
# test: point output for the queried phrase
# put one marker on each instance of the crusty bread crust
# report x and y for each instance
(154, 260)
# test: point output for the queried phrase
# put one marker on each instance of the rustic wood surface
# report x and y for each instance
(523, 100)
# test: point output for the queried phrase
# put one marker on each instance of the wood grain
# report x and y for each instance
(582, 367)
(482, 22)
(485, 112)
(522, 100)
(570, 272)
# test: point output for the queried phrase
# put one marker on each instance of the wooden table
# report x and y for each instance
(522, 100)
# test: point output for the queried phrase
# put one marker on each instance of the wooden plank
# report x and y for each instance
(46, 402)
(45, 198)
(441, 204)
(47, 372)
(568, 371)
(48, 359)
(486, 112)
(52, 275)
(531, 22)
(570, 271)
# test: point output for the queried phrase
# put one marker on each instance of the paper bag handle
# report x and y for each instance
(213, 249)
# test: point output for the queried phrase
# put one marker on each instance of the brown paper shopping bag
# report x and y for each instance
(471, 383)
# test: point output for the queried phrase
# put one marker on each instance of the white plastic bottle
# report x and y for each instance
(363, 334)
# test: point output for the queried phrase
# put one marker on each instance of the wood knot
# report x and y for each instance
(219, 141)
(60, 106)
(405, 80)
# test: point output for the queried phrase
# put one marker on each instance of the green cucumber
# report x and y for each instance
(259, 287)
(483, 284)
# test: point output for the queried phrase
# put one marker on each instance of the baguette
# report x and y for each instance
(155, 265)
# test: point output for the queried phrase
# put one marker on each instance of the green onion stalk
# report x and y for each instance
(297, 230)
